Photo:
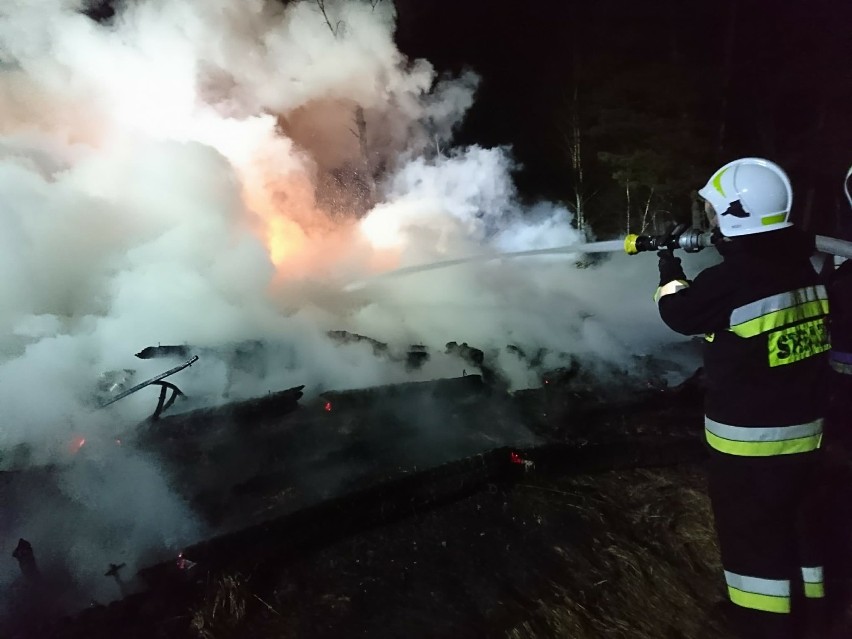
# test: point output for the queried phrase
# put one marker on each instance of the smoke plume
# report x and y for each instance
(210, 172)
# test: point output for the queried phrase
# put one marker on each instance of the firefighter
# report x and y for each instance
(838, 424)
(840, 296)
(763, 313)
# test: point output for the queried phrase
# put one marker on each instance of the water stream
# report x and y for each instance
(608, 246)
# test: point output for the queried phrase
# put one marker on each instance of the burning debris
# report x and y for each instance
(207, 188)
(116, 391)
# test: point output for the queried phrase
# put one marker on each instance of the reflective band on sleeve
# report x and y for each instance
(768, 595)
(709, 337)
(814, 586)
(777, 319)
(754, 310)
(840, 356)
(841, 362)
(746, 441)
(672, 287)
(814, 591)
(843, 369)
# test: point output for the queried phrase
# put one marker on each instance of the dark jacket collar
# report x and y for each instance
(784, 245)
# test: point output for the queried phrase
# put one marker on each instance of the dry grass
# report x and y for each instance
(651, 571)
(223, 610)
(639, 561)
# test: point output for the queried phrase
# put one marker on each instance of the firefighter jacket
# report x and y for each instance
(763, 312)
(840, 298)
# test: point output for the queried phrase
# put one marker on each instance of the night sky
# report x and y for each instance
(696, 83)
(778, 75)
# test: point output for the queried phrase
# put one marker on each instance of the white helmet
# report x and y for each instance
(750, 195)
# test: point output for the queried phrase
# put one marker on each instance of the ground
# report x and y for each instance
(597, 526)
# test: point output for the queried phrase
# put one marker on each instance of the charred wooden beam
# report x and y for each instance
(243, 413)
(152, 352)
(312, 528)
(444, 389)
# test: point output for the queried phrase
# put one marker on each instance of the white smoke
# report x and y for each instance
(209, 171)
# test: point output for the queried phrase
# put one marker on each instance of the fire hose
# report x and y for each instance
(694, 240)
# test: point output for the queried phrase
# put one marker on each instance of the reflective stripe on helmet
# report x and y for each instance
(768, 595)
(814, 584)
(716, 180)
(672, 287)
(750, 441)
(774, 219)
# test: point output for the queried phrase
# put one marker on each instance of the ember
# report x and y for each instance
(76, 444)
(183, 563)
(515, 458)
(327, 407)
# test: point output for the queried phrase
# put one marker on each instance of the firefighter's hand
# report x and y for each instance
(671, 235)
(670, 268)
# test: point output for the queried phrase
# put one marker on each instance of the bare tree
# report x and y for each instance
(644, 226)
(576, 147)
(367, 174)
(627, 195)
(572, 141)
(335, 29)
(730, 44)
(697, 211)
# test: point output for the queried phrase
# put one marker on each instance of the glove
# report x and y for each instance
(670, 268)
(669, 239)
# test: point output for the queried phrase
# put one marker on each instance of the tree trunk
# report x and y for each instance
(577, 159)
(697, 211)
(627, 193)
(806, 217)
(644, 226)
(725, 85)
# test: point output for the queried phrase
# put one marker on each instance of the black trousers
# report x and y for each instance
(769, 521)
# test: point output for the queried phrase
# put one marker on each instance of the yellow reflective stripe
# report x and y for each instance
(672, 287)
(748, 441)
(717, 181)
(813, 579)
(814, 591)
(773, 219)
(770, 595)
(766, 603)
(709, 337)
(777, 302)
(777, 319)
(764, 449)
